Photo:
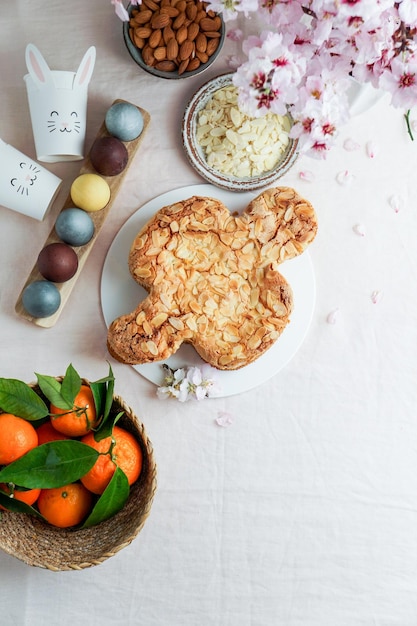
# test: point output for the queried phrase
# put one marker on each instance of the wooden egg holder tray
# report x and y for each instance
(98, 218)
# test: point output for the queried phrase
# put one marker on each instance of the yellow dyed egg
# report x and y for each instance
(90, 192)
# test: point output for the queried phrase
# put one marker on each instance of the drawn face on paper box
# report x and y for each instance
(58, 106)
(25, 186)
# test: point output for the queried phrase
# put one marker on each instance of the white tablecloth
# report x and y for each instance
(303, 510)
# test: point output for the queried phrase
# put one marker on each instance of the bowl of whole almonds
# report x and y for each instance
(174, 38)
(231, 149)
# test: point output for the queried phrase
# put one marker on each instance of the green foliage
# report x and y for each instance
(58, 463)
(53, 464)
(20, 399)
(112, 500)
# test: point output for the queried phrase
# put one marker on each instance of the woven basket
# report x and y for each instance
(39, 544)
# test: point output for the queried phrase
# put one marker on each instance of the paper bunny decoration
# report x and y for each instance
(25, 186)
(58, 106)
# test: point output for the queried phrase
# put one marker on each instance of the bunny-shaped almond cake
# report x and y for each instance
(213, 279)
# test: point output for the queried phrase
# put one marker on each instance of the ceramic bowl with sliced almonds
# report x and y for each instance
(230, 149)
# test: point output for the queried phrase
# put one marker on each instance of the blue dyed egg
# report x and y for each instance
(124, 121)
(41, 298)
(74, 226)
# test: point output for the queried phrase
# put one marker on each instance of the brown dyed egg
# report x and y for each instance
(57, 262)
(108, 156)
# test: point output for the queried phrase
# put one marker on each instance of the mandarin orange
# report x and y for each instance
(65, 506)
(120, 450)
(17, 436)
(47, 432)
(28, 496)
(80, 419)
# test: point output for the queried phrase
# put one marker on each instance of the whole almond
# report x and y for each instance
(142, 17)
(160, 20)
(186, 50)
(212, 34)
(138, 41)
(200, 15)
(207, 24)
(155, 39)
(183, 66)
(201, 42)
(191, 11)
(169, 10)
(203, 56)
(179, 20)
(193, 64)
(148, 56)
(160, 53)
(218, 22)
(212, 46)
(181, 5)
(168, 34)
(172, 49)
(166, 66)
(192, 31)
(143, 32)
(151, 5)
(181, 34)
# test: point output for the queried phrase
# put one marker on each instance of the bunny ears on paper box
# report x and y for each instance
(58, 106)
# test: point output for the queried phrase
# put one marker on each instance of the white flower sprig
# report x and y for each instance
(188, 383)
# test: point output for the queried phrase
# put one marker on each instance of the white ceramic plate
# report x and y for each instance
(195, 153)
(120, 294)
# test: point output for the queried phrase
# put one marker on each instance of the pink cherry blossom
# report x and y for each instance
(304, 59)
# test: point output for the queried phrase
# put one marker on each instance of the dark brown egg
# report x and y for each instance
(57, 262)
(108, 156)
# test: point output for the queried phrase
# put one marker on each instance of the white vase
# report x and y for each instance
(362, 96)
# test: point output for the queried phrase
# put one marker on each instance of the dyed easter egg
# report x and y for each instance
(124, 121)
(90, 192)
(74, 226)
(109, 156)
(57, 262)
(41, 298)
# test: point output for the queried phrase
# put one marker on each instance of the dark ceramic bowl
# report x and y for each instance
(136, 53)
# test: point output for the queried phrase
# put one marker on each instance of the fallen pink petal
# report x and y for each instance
(345, 177)
(224, 419)
(333, 316)
(235, 34)
(350, 145)
(396, 203)
(376, 296)
(233, 61)
(307, 176)
(371, 149)
(359, 229)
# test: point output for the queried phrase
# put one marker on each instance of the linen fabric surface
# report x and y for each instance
(301, 510)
